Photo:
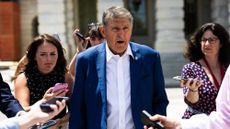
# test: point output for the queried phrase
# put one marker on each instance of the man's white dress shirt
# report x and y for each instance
(119, 114)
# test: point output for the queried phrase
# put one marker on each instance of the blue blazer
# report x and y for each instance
(88, 105)
(8, 104)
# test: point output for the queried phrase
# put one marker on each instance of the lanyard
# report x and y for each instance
(213, 76)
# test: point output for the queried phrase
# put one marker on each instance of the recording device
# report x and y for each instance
(145, 118)
(80, 36)
(45, 106)
(180, 78)
(48, 124)
(60, 86)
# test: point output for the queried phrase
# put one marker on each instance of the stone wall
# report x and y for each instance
(28, 13)
(170, 38)
(104, 4)
(220, 12)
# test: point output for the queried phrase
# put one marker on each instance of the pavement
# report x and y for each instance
(176, 105)
(175, 108)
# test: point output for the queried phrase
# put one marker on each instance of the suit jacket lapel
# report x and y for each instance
(101, 73)
(135, 66)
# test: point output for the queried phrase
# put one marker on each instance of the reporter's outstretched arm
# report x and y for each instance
(34, 116)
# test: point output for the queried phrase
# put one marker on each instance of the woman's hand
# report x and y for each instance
(168, 123)
(81, 44)
(50, 94)
(192, 94)
(191, 84)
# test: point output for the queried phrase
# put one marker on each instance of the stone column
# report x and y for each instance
(28, 12)
(52, 19)
(170, 39)
(220, 12)
(69, 6)
(104, 4)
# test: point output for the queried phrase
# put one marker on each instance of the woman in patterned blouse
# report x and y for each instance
(209, 56)
(46, 66)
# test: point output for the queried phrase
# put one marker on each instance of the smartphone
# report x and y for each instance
(179, 78)
(80, 36)
(145, 118)
(48, 124)
(60, 86)
(45, 107)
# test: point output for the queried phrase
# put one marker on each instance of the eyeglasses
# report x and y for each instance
(210, 40)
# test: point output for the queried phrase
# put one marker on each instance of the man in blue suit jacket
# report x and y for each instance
(8, 104)
(116, 80)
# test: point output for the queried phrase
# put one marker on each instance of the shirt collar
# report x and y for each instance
(109, 54)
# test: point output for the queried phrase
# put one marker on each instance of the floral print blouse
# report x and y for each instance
(207, 92)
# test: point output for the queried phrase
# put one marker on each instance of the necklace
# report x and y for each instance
(213, 76)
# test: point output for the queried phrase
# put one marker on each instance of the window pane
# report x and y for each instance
(138, 9)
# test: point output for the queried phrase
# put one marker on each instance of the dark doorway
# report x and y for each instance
(190, 17)
(196, 13)
(144, 20)
(35, 25)
(87, 14)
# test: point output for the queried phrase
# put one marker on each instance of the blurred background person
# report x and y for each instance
(93, 37)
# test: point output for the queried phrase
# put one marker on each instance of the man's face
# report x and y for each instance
(118, 33)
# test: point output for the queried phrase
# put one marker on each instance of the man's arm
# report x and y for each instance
(218, 119)
(11, 123)
(161, 100)
(9, 105)
(77, 107)
(32, 117)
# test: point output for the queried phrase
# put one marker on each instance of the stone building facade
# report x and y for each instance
(161, 24)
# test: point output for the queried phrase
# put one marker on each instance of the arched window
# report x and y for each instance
(139, 11)
(35, 25)
(196, 13)
(144, 20)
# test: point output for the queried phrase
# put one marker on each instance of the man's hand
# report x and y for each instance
(168, 123)
(43, 116)
(36, 115)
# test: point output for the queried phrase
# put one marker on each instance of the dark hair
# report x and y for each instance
(93, 32)
(32, 49)
(193, 51)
